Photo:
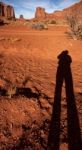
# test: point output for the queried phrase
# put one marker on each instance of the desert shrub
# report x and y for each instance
(79, 31)
(75, 26)
(39, 26)
(1, 22)
(10, 18)
(11, 91)
(53, 22)
(35, 20)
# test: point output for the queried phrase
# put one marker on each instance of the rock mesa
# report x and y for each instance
(6, 11)
(61, 15)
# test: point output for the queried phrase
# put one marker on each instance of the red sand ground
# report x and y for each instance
(28, 59)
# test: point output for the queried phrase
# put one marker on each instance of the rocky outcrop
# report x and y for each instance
(74, 9)
(61, 15)
(21, 18)
(6, 11)
(40, 13)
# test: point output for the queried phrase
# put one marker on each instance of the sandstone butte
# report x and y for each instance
(41, 14)
(6, 11)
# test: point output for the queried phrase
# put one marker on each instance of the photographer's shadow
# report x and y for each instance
(73, 127)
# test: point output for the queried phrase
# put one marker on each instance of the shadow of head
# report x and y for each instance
(64, 58)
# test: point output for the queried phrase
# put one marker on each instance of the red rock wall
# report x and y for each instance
(40, 13)
(6, 11)
(74, 9)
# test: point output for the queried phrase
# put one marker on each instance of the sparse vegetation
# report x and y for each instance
(53, 22)
(75, 26)
(28, 72)
(12, 40)
(39, 26)
(11, 91)
(1, 22)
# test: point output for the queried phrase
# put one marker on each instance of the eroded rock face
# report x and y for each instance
(21, 18)
(6, 11)
(74, 9)
(40, 13)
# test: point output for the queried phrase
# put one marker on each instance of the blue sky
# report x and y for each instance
(27, 7)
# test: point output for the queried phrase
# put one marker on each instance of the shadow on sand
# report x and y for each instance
(21, 91)
(27, 92)
(73, 127)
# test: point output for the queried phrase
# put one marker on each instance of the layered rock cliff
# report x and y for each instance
(6, 11)
(74, 9)
(40, 13)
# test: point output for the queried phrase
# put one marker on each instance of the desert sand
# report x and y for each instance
(28, 65)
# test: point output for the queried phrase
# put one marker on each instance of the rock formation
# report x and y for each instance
(61, 15)
(6, 11)
(40, 13)
(21, 18)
